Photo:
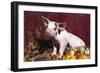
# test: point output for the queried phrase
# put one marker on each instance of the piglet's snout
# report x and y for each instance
(47, 34)
(48, 31)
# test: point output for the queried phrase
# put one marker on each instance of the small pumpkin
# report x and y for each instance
(69, 57)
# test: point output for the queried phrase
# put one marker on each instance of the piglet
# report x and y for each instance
(58, 31)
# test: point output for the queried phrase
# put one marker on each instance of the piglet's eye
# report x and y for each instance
(54, 28)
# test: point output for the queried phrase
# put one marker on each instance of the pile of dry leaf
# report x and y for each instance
(31, 53)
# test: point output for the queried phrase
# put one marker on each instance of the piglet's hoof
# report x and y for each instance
(60, 58)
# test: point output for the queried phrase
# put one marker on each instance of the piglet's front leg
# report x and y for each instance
(54, 51)
(61, 50)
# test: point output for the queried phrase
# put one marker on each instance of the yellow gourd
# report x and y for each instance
(70, 56)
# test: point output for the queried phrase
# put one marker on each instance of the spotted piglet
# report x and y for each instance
(58, 31)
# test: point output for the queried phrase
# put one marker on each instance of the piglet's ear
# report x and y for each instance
(45, 20)
(62, 25)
